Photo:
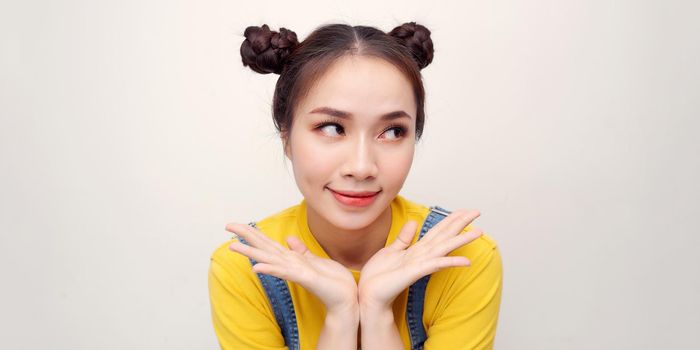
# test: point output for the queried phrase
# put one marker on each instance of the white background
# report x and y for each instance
(131, 133)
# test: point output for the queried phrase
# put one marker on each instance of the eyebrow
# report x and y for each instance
(346, 115)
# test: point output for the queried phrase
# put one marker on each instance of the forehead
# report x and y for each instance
(364, 86)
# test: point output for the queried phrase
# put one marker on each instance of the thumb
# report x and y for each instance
(405, 237)
(296, 245)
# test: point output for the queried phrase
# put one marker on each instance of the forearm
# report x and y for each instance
(339, 330)
(379, 330)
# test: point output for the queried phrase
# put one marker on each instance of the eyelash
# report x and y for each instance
(402, 130)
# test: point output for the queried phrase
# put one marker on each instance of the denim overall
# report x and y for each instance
(281, 301)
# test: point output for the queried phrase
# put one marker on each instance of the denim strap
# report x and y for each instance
(416, 292)
(281, 301)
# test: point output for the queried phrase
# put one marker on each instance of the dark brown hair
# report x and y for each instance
(408, 47)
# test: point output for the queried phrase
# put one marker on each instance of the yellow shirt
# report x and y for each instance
(461, 304)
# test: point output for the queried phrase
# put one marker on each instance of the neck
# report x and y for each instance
(351, 248)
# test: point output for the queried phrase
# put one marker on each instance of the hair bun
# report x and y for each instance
(264, 51)
(417, 39)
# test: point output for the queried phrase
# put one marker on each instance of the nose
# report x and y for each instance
(360, 160)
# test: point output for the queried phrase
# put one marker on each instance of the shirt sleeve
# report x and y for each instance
(241, 313)
(470, 305)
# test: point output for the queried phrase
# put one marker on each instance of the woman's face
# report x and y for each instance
(354, 131)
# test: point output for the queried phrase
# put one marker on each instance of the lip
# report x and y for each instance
(355, 193)
(355, 198)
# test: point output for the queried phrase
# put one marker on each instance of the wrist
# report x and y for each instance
(369, 304)
(344, 306)
(376, 315)
(339, 329)
(342, 318)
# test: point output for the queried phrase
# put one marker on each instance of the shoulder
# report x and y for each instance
(240, 311)
(481, 248)
(227, 265)
(485, 269)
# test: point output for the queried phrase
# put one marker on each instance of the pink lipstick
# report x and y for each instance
(355, 198)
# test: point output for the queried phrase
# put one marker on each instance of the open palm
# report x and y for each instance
(329, 280)
(395, 267)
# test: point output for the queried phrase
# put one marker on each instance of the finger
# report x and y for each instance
(462, 217)
(417, 270)
(442, 224)
(437, 264)
(271, 242)
(447, 246)
(254, 237)
(252, 252)
(405, 236)
(298, 246)
(273, 270)
(235, 235)
(242, 230)
(462, 221)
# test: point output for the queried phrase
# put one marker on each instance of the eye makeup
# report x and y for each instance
(401, 129)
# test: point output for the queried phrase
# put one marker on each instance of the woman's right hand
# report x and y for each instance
(329, 280)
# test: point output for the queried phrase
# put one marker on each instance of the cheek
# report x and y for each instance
(311, 163)
(398, 164)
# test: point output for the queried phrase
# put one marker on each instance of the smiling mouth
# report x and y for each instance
(357, 199)
(355, 194)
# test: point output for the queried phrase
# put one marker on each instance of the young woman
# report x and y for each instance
(349, 266)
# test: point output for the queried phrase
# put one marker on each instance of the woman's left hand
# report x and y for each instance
(395, 267)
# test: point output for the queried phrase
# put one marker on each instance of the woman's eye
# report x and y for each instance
(398, 132)
(331, 128)
(335, 129)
